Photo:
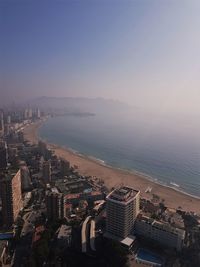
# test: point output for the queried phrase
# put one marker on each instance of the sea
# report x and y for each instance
(165, 148)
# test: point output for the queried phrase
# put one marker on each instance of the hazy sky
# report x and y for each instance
(145, 52)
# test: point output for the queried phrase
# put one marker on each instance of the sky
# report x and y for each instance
(144, 52)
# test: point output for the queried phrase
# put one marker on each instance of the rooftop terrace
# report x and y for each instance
(123, 194)
(160, 225)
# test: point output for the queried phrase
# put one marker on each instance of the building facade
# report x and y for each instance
(25, 179)
(38, 115)
(122, 208)
(5, 259)
(55, 206)
(1, 123)
(3, 155)
(160, 232)
(46, 171)
(11, 196)
(64, 167)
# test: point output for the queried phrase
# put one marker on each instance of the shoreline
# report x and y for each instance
(131, 172)
(89, 166)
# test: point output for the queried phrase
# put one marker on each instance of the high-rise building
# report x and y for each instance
(26, 114)
(38, 115)
(30, 113)
(42, 148)
(3, 155)
(55, 205)
(46, 171)
(1, 124)
(122, 208)
(45, 152)
(25, 178)
(64, 167)
(7, 130)
(8, 119)
(11, 197)
(12, 154)
(20, 137)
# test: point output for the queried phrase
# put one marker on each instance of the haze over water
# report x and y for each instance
(144, 53)
(166, 148)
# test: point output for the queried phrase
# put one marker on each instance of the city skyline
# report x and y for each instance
(144, 53)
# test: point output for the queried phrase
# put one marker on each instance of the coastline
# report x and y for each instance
(89, 166)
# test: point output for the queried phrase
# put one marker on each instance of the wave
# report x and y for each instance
(174, 184)
(72, 150)
(102, 162)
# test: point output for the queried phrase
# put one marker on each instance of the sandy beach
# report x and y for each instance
(114, 177)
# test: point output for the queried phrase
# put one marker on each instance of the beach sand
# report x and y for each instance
(114, 177)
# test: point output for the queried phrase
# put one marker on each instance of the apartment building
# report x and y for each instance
(55, 205)
(11, 197)
(122, 208)
(161, 232)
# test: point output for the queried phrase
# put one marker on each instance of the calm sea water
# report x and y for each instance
(163, 147)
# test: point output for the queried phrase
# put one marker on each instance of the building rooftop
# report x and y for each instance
(64, 231)
(38, 231)
(3, 243)
(126, 242)
(72, 196)
(8, 176)
(161, 225)
(82, 195)
(53, 194)
(68, 206)
(123, 194)
(54, 190)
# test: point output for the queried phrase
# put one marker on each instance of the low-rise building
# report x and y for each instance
(161, 232)
(39, 230)
(27, 199)
(175, 219)
(91, 196)
(64, 237)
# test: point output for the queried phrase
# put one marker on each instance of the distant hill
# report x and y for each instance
(77, 104)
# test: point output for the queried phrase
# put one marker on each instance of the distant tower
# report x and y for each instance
(9, 119)
(3, 155)
(38, 113)
(30, 113)
(122, 208)
(11, 197)
(55, 205)
(26, 114)
(46, 172)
